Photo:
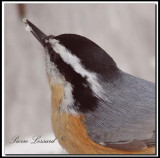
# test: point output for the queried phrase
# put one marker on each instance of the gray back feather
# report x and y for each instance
(129, 116)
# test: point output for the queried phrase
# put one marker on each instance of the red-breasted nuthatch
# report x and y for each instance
(96, 107)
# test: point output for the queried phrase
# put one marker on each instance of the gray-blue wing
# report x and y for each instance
(128, 120)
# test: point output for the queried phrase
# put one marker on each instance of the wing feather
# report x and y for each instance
(129, 119)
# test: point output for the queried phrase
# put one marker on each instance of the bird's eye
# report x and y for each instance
(51, 52)
(53, 55)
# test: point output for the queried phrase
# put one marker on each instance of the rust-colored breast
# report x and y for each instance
(71, 132)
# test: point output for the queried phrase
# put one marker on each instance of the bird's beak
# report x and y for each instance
(35, 31)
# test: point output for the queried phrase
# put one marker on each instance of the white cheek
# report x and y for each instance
(68, 103)
(55, 76)
(53, 72)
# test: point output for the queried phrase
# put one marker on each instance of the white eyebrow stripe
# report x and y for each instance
(76, 64)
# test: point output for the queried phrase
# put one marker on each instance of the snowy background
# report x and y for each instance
(125, 31)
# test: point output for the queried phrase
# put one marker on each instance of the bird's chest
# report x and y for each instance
(68, 129)
(58, 118)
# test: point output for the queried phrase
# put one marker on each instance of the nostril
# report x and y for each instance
(51, 37)
(47, 38)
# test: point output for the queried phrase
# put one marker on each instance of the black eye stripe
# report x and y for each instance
(50, 49)
(53, 55)
(84, 102)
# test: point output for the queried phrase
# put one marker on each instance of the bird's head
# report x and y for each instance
(77, 63)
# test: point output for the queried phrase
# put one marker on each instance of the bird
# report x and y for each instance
(97, 108)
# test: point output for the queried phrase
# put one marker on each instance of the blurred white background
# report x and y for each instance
(125, 31)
